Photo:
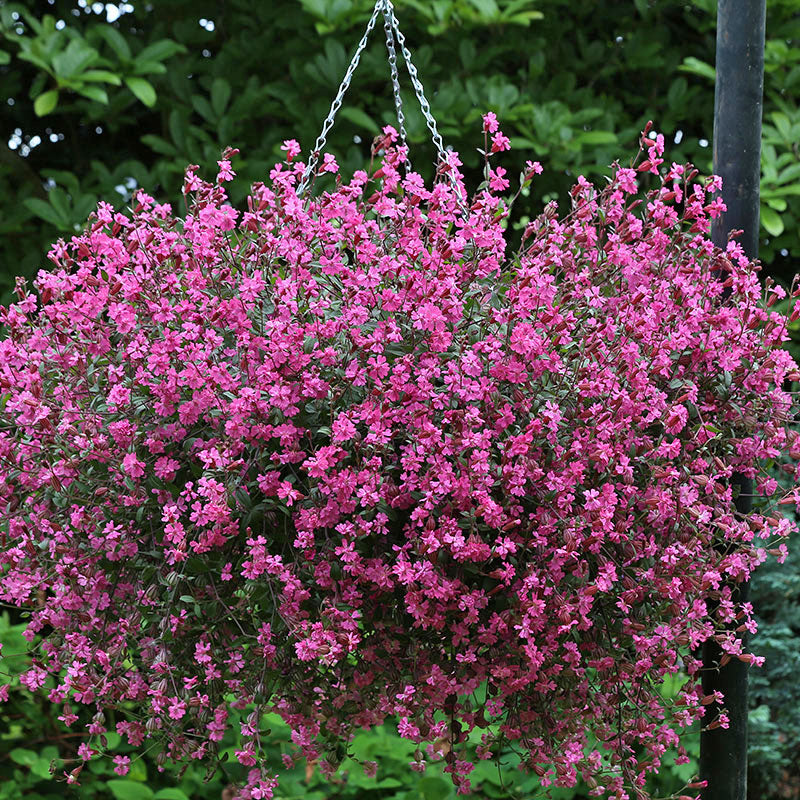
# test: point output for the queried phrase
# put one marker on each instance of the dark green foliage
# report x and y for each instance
(573, 83)
(774, 746)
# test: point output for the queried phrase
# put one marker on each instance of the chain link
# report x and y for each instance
(392, 28)
(398, 100)
(322, 139)
(415, 81)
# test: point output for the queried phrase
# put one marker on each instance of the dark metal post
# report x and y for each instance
(737, 158)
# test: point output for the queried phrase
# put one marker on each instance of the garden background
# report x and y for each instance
(99, 98)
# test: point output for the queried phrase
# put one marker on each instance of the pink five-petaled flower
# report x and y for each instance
(497, 181)
(500, 142)
(490, 124)
(225, 172)
(329, 163)
(532, 168)
(122, 765)
(177, 708)
(132, 465)
(292, 149)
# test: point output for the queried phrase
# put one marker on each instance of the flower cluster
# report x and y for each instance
(344, 457)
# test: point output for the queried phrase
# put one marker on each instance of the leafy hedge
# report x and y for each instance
(130, 103)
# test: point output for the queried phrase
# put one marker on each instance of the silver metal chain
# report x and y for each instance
(322, 139)
(415, 81)
(398, 100)
(393, 32)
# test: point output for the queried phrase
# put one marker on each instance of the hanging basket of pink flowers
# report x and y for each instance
(342, 457)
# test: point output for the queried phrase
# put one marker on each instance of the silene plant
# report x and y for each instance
(345, 457)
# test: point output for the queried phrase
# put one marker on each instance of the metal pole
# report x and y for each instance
(737, 158)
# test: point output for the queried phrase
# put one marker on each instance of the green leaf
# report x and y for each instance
(771, 221)
(596, 137)
(159, 145)
(45, 211)
(143, 90)
(45, 103)
(58, 199)
(101, 76)
(360, 117)
(76, 58)
(782, 123)
(170, 794)
(41, 769)
(149, 68)
(5, 58)
(129, 790)
(24, 757)
(220, 95)
(112, 740)
(698, 67)
(434, 788)
(94, 93)
(160, 50)
(118, 43)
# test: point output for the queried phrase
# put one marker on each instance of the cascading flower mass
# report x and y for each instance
(344, 457)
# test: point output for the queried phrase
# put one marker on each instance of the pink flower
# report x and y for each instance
(225, 171)
(122, 765)
(498, 183)
(532, 168)
(500, 142)
(490, 123)
(329, 163)
(177, 708)
(292, 149)
(132, 465)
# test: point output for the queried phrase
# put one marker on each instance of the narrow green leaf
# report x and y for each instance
(118, 43)
(160, 50)
(101, 76)
(220, 95)
(45, 103)
(360, 118)
(596, 137)
(142, 89)
(93, 93)
(698, 67)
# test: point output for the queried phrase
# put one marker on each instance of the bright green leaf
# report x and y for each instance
(597, 137)
(5, 58)
(143, 90)
(170, 794)
(360, 118)
(45, 103)
(101, 76)
(94, 93)
(24, 757)
(45, 211)
(70, 63)
(129, 790)
(771, 221)
(698, 67)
